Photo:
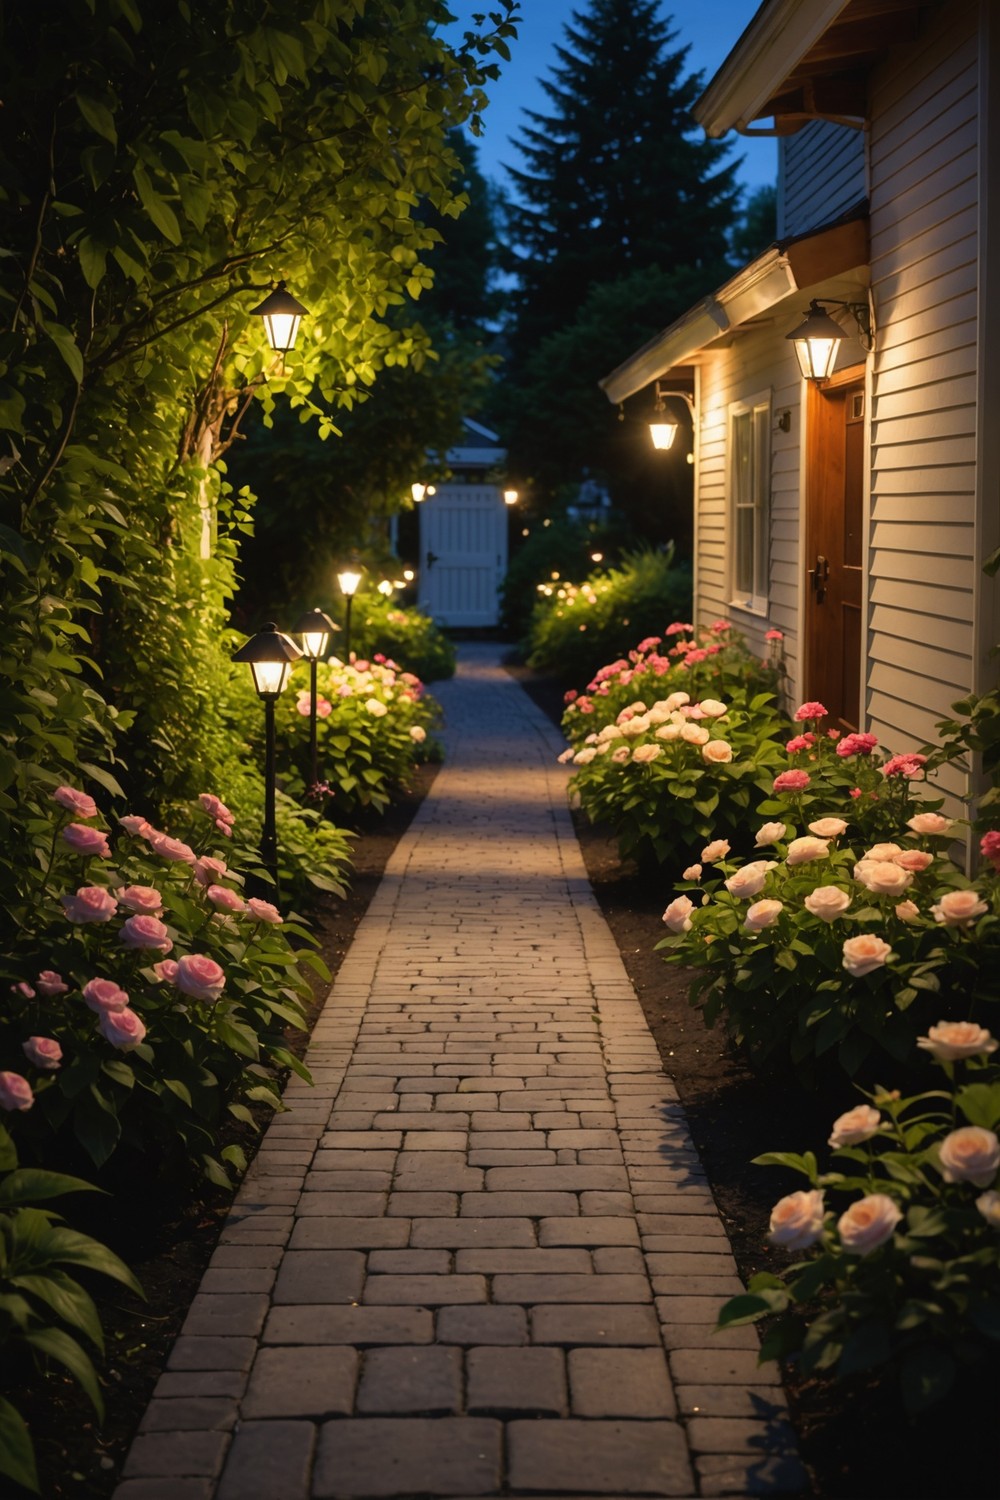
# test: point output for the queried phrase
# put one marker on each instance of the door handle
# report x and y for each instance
(432, 558)
(818, 577)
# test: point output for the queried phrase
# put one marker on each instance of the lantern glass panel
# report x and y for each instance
(348, 581)
(663, 434)
(269, 677)
(282, 330)
(315, 642)
(816, 356)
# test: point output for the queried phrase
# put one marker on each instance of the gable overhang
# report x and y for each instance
(802, 60)
(787, 268)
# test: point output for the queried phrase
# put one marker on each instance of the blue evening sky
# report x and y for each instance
(711, 27)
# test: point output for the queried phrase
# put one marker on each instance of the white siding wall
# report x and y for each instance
(923, 144)
(758, 361)
(821, 174)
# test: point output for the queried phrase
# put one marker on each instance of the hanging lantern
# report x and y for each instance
(282, 314)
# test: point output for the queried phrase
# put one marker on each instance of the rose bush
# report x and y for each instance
(901, 1240)
(147, 1000)
(383, 630)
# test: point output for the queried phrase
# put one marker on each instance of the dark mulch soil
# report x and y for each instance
(854, 1439)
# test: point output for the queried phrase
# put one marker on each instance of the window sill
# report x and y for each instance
(749, 607)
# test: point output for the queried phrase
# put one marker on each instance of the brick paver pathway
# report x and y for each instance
(479, 1258)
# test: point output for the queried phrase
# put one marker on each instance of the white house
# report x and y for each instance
(855, 513)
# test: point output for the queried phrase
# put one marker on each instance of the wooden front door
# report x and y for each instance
(834, 553)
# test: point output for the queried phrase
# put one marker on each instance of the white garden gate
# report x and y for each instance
(463, 554)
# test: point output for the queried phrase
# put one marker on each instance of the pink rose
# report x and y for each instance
(774, 635)
(199, 976)
(988, 1205)
(86, 841)
(791, 781)
(92, 903)
(810, 711)
(263, 911)
(749, 881)
(797, 1220)
(907, 911)
(716, 850)
(50, 984)
(909, 766)
(882, 877)
(828, 902)
(214, 807)
(802, 850)
(104, 994)
(800, 742)
(959, 908)
(762, 914)
(868, 1223)
(43, 1051)
(678, 914)
(881, 852)
(679, 628)
(717, 753)
(950, 1040)
(24, 989)
(166, 970)
(989, 847)
(75, 802)
(209, 871)
(136, 827)
(865, 953)
(141, 898)
(857, 744)
(15, 1092)
(828, 828)
(172, 849)
(914, 860)
(122, 1028)
(930, 823)
(145, 932)
(224, 899)
(858, 1124)
(970, 1154)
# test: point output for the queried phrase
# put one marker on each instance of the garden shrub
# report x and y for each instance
(573, 626)
(555, 543)
(903, 1272)
(381, 629)
(849, 926)
(151, 997)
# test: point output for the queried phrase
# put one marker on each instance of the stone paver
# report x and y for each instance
(479, 1258)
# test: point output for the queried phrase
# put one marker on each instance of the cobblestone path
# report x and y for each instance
(479, 1258)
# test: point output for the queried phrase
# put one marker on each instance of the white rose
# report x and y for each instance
(717, 753)
(418, 734)
(643, 754)
(694, 734)
(827, 902)
(802, 850)
(770, 834)
(929, 822)
(762, 914)
(883, 877)
(908, 911)
(375, 708)
(868, 1223)
(567, 755)
(669, 732)
(678, 914)
(858, 1124)
(693, 872)
(712, 708)
(621, 755)
(949, 1040)
(638, 707)
(828, 828)
(970, 1154)
(585, 756)
(797, 1220)
(749, 881)
(609, 732)
(716, 850)
(989, 1206)
(677, 700)
(658, 714)
(958, 908)
(633, 728)
(865, 953)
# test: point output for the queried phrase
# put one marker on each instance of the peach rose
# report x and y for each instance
(584, 757)
(864, 953)
(802, 850)
(608, 733)
(959, 908)
(642, 755)
(694, 734)
(678, 914)
(104, 994)
(717, 753)
(828, 902)
(797, 1220)
(145, 932)
(858, 1124)
(122, 1028)
(377, 709)
(92, 903)
(914, 860)
(199, 976)
(676, 700)
(669, 732)
(929, 823)
(868, 1223)
(762, 914)
(988, 1205)
(693, 872)
(621, 755)
(882, 877)
(749, 881)
(770, 833)
(43, 1051)
(713, 709)
(50, 984)
(950, 1040)
(15, 1092)
(174, 850)
(141, 898)
(716, 850)
(76, 802)
(86, 841)
(632, 729)
(417, 733)
(828, 828)
(880, 852)
(970, 1154)
(907, 911)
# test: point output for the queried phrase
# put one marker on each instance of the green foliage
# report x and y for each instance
(573, 627)
(555, 544)
(46, 1315)
(407, 637)
(905, 1276)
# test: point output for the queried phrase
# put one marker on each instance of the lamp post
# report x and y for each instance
(315, 628)
(348, 582)
(269, 655)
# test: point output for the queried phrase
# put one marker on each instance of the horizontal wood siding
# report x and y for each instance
(923, 164)
(821, 169)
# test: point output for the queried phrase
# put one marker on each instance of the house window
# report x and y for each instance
(749, 502)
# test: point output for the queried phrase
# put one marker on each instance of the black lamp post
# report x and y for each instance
(269, 655)
(315, 629)
(348, 581)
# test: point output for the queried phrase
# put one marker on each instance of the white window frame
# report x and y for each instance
(749, 493)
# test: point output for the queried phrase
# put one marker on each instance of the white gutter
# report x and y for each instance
(772, 46)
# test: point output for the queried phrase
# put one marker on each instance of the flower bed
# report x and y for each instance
(383, 630)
